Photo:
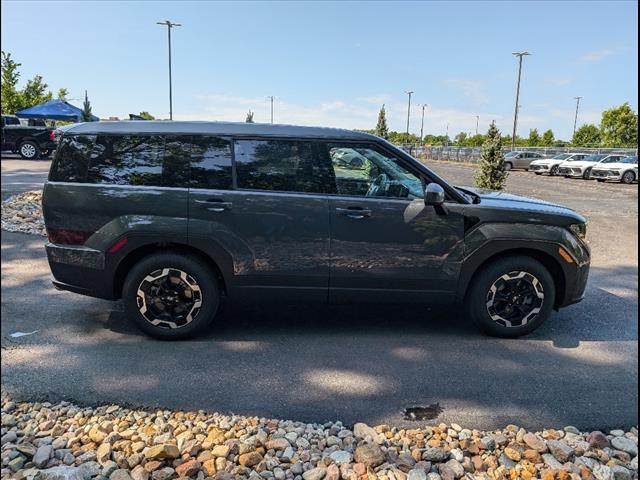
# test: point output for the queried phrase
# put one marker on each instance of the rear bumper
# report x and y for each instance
(80, 270)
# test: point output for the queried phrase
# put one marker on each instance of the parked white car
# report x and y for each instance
(551, 165)
(625, 171)
(582, 168)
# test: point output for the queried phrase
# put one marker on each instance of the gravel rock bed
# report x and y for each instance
(23, 213)
(63, 441)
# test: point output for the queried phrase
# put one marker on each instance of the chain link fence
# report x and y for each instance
(472, 154)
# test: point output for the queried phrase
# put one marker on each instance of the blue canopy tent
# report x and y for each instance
(54, 110)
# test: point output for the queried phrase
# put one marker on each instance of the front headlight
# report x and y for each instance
(579, 230)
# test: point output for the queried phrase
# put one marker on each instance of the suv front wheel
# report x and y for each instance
(170, 296)
(511, 297)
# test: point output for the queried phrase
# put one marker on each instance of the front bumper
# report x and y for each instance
(606, 174)
(571, 172)
(79, 269)
(539, 168)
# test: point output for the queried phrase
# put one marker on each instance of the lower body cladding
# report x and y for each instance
(86, 271)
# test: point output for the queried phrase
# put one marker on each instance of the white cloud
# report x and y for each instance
(597, 55)
(469, 88)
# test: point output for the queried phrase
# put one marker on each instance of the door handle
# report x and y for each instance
(354, 212)
(215, 204)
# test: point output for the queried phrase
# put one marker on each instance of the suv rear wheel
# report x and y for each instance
(170, 296)
(511, 297)
(29, 150)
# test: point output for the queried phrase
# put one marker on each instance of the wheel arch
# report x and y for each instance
(546, 259)
(137, 254)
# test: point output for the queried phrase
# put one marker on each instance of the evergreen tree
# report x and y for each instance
(249, 118)
(86, 115)
(381, 128)
(491, 171)
(547, 139)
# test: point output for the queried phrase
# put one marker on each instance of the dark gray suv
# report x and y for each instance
(172, 217)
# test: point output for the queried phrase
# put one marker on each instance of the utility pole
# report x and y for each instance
(477, 122)
(515, 116)
(271, 97)
(424, 105)
(408, 112)
(447, 134)
(575, 121)
(169, 26)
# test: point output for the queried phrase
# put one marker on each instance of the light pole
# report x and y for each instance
(477, 122)
(424, 105)
(169, 26)
(515, 116)
(271, 97)
(408, 112)
(575, 121)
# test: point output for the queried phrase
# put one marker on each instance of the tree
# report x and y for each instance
(86, 115)
(547, 138)
(534, 138)
(63, 93)
(249, 118)
(381, 127)
(491, 171)
(35, 92)
(146, 115)
(460, 139)
(619, 127)
(10, 75)
(588, 135)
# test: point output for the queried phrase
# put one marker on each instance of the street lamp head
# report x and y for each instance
(521, 54)
(410, 92)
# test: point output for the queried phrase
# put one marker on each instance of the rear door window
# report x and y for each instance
(211, 160)
(127, 160)
(283, 166)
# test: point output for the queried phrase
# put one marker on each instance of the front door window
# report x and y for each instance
(366, 171)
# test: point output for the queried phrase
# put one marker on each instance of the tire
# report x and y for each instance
(508, 166)
(554, 170)
(587, 174)
(601, 180)
(29, 150)
(185, 271)
(628, 177)
(515, 268)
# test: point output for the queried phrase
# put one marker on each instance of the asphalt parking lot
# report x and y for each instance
(316, 363)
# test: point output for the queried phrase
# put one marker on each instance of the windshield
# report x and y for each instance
(629, 160)
(561, 156)
(593, 158)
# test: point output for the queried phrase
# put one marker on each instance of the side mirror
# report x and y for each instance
(434, 195)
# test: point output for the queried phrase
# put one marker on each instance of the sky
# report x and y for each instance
(335, 63)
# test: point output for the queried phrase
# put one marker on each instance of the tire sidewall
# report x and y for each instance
(200, 272)
(476, 300)
(624, 175)
(35, 146)
(553, 171)
(508, 166)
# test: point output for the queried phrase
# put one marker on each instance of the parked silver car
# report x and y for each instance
(625, 171)
(551, 166)
(515, 159)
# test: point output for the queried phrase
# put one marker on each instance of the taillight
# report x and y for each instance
(63, 236)
(52, 135)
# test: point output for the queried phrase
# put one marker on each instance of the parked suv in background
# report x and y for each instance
(31, 142)
(625, 171)
(582, 168)
(520, 159)
(551, 166)
(172, 217)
